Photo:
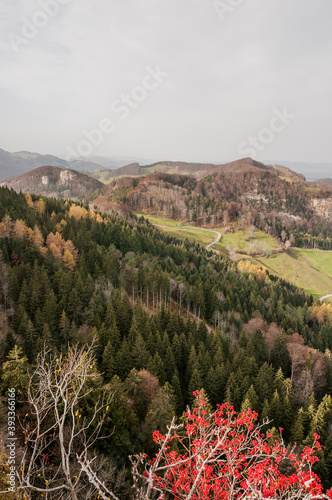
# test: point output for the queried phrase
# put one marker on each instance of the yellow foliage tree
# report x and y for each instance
(322, 313)
(259, 272)
(20, 229)
(7, 226)
(29, 201)
(69, 261)
(60, 225)
(40, 206)
(77, 212)
(38, 238)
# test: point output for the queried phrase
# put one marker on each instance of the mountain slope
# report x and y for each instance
(273, 198)
(184, 194)
(198, 170)
(53, 181)
(169, 167)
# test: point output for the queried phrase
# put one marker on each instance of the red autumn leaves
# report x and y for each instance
(226, 456)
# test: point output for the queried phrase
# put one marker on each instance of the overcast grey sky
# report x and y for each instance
(231, 67)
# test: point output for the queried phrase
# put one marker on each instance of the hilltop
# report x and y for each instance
(49, 180)
(197, 170)
(169, 167)
(273, 198)
(196, 196)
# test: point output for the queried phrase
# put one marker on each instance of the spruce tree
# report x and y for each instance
(108, 362)
(195, 384)
(9, 343)
(298, 428)
(178, 399)
(15, 371)
(279, 354)
(140, 353)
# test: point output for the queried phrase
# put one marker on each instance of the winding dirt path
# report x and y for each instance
(194, 227)
(325, 297)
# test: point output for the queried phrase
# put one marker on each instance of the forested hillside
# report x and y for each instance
(166, 317)
(279, 202)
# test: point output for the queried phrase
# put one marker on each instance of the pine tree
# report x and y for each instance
(195, 384)
(124, 360)
(192, 365)
(140, 353)
(64, 326)
(280, 355)
(15, 371)
(323, 416)
(265, 413)
(160, 413)
(287, 407)
(134, 390)
(264, 384)
(298, 428)
(74, 307)
(157, 368)
(108, 362)
(49, 312)
(178, 399)
(257, 347)
(177, 350)
(276, 409)
(45, 339)
(9, 343)
(250, 400)
(30, 338)
(170, 365)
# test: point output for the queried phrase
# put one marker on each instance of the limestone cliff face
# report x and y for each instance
(58, 182)
(322, 206)
(67, 176)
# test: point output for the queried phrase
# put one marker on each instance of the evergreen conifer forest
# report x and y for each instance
(109, 327)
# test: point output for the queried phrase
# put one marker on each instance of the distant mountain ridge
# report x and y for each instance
(312, 171)
(198, 170)
(116, 166)
(25, 161)
(169, 167)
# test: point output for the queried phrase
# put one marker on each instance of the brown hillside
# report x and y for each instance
(58, 182)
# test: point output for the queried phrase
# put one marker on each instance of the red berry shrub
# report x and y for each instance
(225, 456)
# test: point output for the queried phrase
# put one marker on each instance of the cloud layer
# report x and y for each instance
(230, 65)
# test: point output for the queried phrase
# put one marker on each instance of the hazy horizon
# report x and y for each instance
(195, 81)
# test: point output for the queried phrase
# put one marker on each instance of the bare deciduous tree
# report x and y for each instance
(59, 440)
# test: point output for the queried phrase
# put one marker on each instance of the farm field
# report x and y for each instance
(101, 176)
(182, 231)
(238, 240)
(161, 221)
(307, 269)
